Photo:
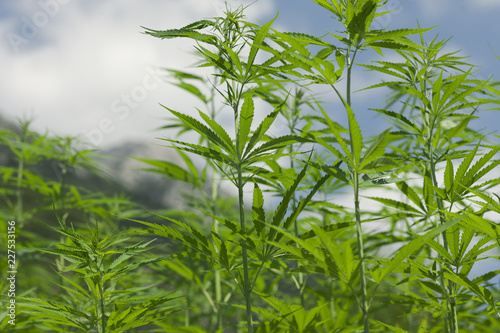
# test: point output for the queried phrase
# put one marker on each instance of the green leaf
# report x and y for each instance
(466, 176)
(183, 32)
(261, 130)
(391, 328)
(476, 172)
(193, 90)
(340, 57)
(440, 250)
(429, 197)
(246, 118)
(396, 204)
(342, 254)
(356, 138)
(170, 169)
(273, 144)
(393, 34)
(204, 130)
(453, 238)
(334, 128)
(448, 177)
(381, 272)
(233, 57)
(376, 149)
(410, 194)
(283, 205)
(333, 6)
(203, 151)
(234, 227)
(191, 237)
(482, 225)
(138, 315)
(332, 170)
(222, 248)
(331, 227)
(308, 39)
(461, 96)
(359, 17)
(386, 70)
(462, 169)
(483, 293)
(259, 216)
(257, 42)
(324, 53)
(303, 203)
(334, 150)
(221, 132)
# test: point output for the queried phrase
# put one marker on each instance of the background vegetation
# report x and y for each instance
(282, 254)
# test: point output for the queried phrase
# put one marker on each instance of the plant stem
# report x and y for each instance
(100, 306)
(350, 62)
(247, 286)
(359, 234)
(246, 278)
(452, 316)
(301, 280)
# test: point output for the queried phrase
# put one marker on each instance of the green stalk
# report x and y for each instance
(429, 124)
(101, 301)
(359, 234)
(246, 277)
(247, 286)
(452, 316)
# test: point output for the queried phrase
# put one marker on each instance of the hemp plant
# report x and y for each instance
(356, 18)
(237, 157)
(40, 174)
(98, 301)
(405, 259)
(441, 97)
(393, 157)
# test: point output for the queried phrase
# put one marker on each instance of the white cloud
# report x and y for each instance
(435, 8)
(89, 54)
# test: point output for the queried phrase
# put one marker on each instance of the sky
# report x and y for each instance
(83, 68)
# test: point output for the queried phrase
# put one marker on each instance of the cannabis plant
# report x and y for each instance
(293, 218)
(100, 294)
